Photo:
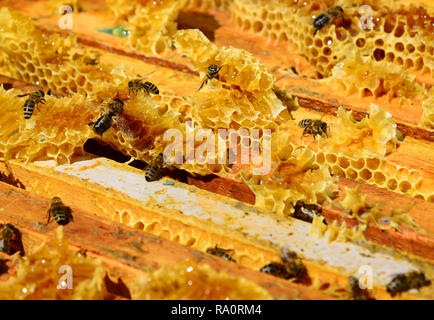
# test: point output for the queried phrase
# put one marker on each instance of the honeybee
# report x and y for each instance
(276, 269)
(220, 252)
(61, 213)
(34, 99)
(213, 72)
(288, 101)
(90, 61)
(87, 59)
(306, 212)
(357, 292)
(153, 170)
(293, 263)
(7, 235)
(406, 281)
(326, 18)
(313, 127)
(136, 85)
(116, 107)
(82, 252)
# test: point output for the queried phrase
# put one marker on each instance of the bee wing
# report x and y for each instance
(123, 126)
(69, 211)
(145, 77)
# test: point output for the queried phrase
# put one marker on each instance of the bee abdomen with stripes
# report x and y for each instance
(149, 87)
(153, 170)
(60, 213)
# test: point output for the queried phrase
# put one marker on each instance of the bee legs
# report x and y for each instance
(203, 83)
(70, 214)
(49, 217)
(41, 101)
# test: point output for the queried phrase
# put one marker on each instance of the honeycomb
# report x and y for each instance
(354, 201)
(428, 111)
(402, 36)
(205, 4)
(31, 56)
(294, 177)
(335, 231)
(34, 278)
(357, 150)
(239, 67)
(139, 131)
(374, 134)
(148, 35)
(245, 97)
(189, 281)
(366, 213)
(46, 135)
(377, 171)
(367, 77)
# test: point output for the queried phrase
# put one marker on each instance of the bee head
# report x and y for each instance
(130, 84)
(56, 201)
(117, 106)
(9, 226)
(212, 68)
(323, 126)
(161, 157)
(119, 101)
(340, 9)
(41, 93)
(287, 255)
